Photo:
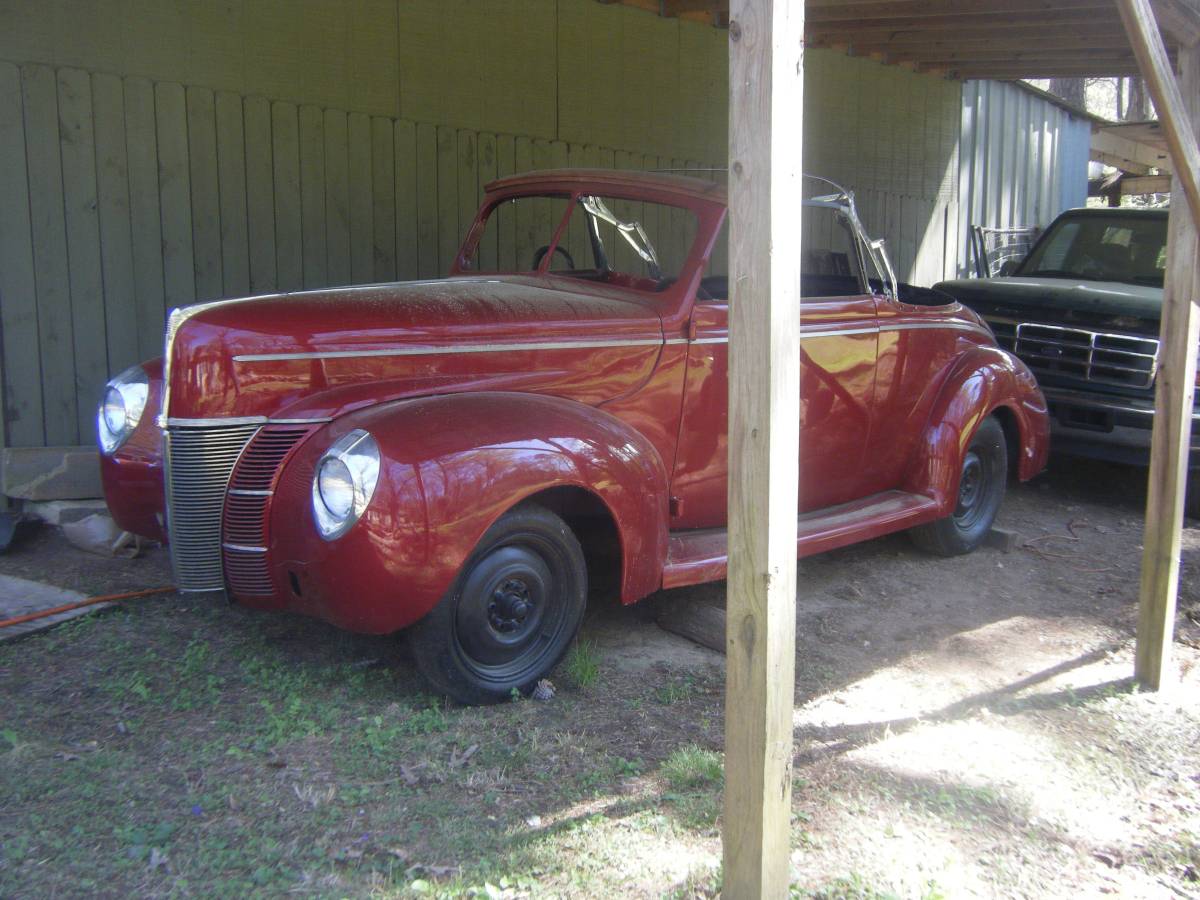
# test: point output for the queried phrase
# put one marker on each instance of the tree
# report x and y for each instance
(1073, 90)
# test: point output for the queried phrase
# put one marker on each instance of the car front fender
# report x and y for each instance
(983, 382)
(451, 465)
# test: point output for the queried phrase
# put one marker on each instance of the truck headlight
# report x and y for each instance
(344, 482)
(122, 408)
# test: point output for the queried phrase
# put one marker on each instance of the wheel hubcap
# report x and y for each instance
(970, 486)
(502, 610)
(510, 607)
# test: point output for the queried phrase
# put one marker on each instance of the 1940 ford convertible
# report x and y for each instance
(437, 456)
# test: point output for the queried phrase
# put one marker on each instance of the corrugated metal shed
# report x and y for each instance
(1023, 159)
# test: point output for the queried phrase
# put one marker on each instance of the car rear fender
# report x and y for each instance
(984, 381)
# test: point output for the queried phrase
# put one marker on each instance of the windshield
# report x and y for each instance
(1129, 249)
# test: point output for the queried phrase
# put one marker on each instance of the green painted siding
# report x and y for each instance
(158, 152)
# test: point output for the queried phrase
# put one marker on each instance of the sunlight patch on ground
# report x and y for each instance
(995, 662)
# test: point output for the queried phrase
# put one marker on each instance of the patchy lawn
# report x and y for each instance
(964, 727)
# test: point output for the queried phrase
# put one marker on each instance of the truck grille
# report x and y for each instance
(246, 541)
(1116, 359)
(199, 462)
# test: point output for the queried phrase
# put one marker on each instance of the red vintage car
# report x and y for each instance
(445, 456)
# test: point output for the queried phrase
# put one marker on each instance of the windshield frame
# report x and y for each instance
(707, 215)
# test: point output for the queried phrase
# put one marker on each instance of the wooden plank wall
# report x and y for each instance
(135, 177)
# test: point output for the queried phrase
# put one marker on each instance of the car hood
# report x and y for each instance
(1114, 304)
(262, 356)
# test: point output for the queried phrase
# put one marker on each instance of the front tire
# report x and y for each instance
(981, 488)
(510, 615)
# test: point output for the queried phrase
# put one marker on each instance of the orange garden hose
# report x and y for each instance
(90, 601)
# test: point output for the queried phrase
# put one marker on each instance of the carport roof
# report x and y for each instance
(973, 38)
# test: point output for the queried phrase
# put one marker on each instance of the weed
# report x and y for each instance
(583, 664)
(676, 691)
(693, 767)
(430, 720)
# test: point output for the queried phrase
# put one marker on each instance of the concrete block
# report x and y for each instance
(1002, 539)
(51, 473)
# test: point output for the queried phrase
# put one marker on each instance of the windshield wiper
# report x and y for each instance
(1050, 273)
(628, 230)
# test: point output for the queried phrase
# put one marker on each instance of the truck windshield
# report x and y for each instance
(1129, 249)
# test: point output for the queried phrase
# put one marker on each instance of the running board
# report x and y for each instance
(694, 557)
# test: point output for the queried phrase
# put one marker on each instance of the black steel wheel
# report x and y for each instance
(511, 614)
(981, 485)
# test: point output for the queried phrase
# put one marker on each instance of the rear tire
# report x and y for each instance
(511, 614)
(980, 490)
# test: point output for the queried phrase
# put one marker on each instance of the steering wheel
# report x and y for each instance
(540, 254)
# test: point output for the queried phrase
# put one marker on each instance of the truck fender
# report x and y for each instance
(983, 381)
(451, 465)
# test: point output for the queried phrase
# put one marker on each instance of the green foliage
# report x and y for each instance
(583, 664)
(693, 767)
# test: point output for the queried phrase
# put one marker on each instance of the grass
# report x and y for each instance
(693, 767)
(583, 664)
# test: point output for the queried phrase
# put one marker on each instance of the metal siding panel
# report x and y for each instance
(362, 228)
(231, 180)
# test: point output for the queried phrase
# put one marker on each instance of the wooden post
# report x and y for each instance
(1178, 339)
(765, 130)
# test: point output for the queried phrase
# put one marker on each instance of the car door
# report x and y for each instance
(837, 368)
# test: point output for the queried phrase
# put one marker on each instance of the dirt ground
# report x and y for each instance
(964, 727)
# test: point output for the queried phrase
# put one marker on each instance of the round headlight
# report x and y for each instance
(344, 483)
(336, 487)
(114, 411)
(122, 408)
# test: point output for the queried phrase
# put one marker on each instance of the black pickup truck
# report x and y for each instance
(1082, 310)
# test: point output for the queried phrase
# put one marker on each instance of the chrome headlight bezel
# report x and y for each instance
(124, 400)
(354, 457)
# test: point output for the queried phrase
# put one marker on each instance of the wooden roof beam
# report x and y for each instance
(922, 9)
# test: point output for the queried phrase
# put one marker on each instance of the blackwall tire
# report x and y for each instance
(981, 489)
(511, 614)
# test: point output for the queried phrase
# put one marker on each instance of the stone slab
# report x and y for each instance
(19, 597)
(51, 473)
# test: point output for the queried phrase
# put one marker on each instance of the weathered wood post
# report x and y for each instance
(765, 130)
(1177, 101)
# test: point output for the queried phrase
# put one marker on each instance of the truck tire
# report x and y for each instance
(511, 614)
(981, 488)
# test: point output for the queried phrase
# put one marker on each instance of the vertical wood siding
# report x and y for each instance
(125, 195)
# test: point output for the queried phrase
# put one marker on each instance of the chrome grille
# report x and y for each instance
(247, 567)
(1117, 359)
(199, 462)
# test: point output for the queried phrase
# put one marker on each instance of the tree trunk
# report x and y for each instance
(1138, 108)
(1073, 90)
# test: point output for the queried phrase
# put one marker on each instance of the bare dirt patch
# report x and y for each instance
(963, 727)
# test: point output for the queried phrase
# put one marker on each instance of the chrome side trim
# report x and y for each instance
(244, 492)
(447, 348)
(244, 549)
(819, 332)
(243, 420)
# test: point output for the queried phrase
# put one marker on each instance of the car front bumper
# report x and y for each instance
(1116, 429)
